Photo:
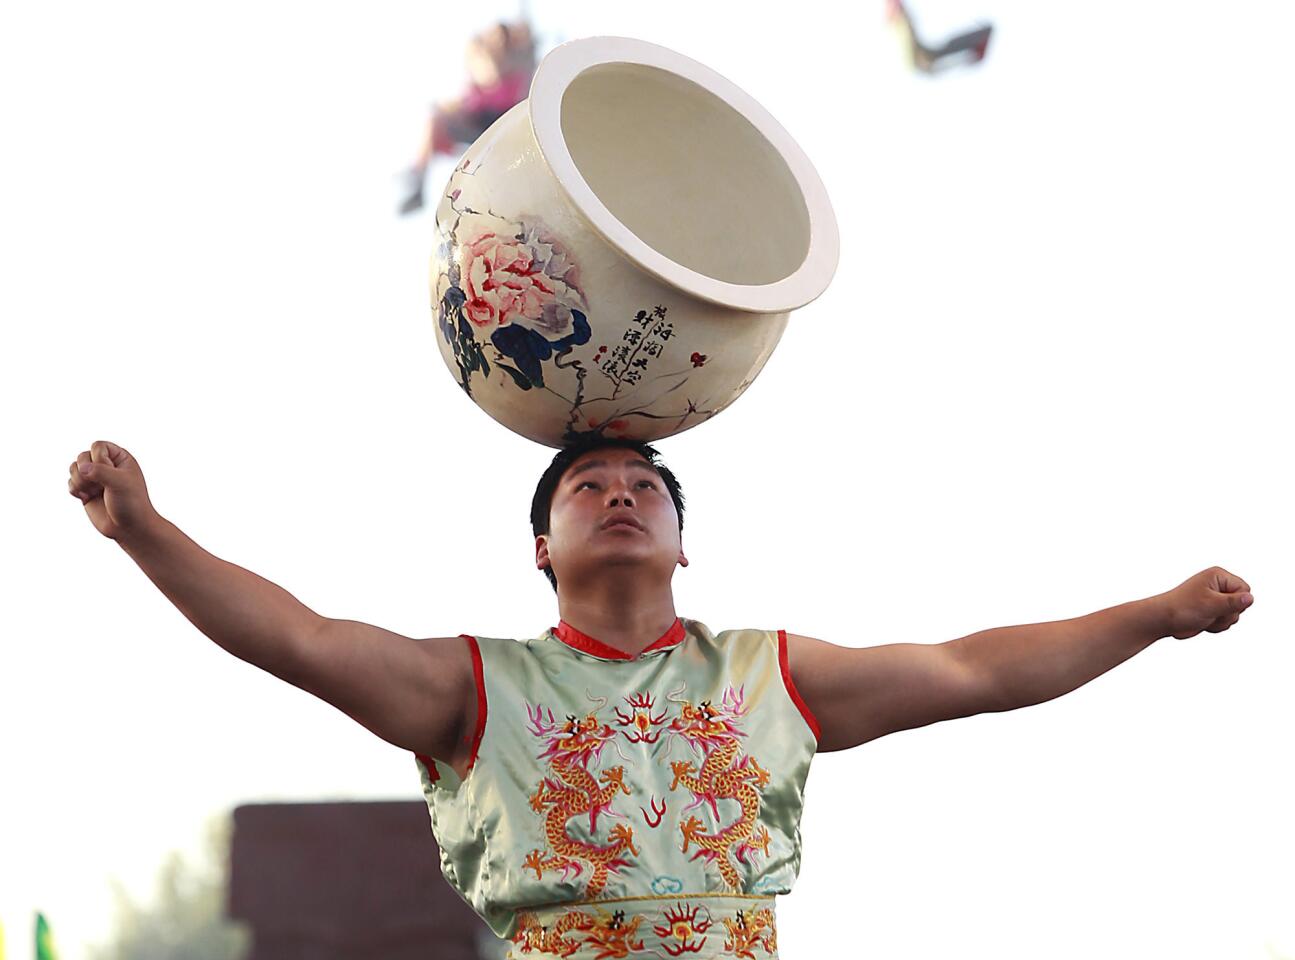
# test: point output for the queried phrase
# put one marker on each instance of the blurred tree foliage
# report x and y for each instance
(187, 918)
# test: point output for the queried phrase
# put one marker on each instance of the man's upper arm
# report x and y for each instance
(862, 693)
(412, 693)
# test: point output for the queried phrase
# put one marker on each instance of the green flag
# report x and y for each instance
(44, 940)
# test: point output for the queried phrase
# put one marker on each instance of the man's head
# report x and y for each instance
(607, 502)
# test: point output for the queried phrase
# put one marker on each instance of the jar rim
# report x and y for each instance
(568, 61)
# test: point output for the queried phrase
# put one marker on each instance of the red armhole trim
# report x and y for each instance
(478, 677)
(791, 686)
(430, 764)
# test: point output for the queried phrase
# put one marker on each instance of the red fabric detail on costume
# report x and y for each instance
(430, 764)
(791, 687)
(477, 675)
(586, 644)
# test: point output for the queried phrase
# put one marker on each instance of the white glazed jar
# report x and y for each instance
(619, 253)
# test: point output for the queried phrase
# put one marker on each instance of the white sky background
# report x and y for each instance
(1048, 378)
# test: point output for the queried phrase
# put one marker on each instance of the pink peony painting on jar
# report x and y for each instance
(512, 310)
(517, 285)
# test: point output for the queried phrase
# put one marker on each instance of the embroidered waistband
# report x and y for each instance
(700, 926)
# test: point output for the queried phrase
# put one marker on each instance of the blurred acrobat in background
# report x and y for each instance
(501, 60)
(965, 48)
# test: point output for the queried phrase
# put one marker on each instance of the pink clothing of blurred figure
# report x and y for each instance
(501, 62)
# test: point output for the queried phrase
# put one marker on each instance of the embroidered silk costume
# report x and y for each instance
(620, 806)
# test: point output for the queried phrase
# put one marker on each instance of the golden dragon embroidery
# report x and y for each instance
(713, 732)
(750, 929)
(609, 934)
(572, 791)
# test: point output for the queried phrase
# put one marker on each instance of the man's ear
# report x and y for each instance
(542, 552)
(683, 561)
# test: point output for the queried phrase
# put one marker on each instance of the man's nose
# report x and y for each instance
(618, 495)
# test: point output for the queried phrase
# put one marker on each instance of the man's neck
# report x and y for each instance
(619, 618)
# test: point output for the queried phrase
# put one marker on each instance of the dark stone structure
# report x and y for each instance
(346, 881)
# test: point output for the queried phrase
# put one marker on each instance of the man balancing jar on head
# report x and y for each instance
(575, 779)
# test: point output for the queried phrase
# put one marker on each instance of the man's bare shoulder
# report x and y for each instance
(416, 693)
(452, 675)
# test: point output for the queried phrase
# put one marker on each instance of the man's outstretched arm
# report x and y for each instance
(412, 693)
(860, 694)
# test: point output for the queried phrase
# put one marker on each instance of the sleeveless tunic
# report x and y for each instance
(619, 806)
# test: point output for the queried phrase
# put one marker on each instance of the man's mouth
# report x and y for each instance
(622, 522)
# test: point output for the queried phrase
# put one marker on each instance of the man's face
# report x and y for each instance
(611, 508)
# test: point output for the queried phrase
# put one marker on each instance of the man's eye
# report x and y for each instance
(585, 483)
(647, 483)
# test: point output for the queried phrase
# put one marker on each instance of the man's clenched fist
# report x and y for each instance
(109, 482)
(1212, 600)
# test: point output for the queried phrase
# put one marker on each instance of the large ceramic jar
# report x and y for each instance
(620, 252)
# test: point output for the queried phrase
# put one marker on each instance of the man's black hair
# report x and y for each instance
(542, 503)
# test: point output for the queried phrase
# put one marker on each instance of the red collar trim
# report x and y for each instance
(586, 644)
